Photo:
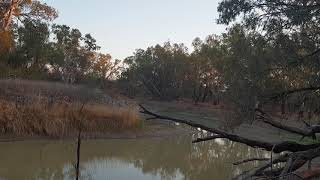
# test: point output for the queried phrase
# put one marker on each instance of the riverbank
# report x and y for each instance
(151, 130)
(54, 110)
(48, 110)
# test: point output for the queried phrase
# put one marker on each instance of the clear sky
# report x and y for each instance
(121, 26)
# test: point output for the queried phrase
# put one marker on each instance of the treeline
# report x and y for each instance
(272, 54)
(31, 47)
(239, 63)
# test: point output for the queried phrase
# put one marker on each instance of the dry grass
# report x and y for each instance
(55, 90)
(43, 114)
(63, 119)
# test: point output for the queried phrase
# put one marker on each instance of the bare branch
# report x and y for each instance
(250, 160)
(298, 159)
(277, 148)
(310, 131)
(260, 170)
(208, 138)
(293, 91)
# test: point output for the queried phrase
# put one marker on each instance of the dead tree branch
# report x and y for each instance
(77, 165)
(260, 170)
(208, 138)
(277, 148)
(310, 131)
(250, 160)
(293, 161)
(293, 91)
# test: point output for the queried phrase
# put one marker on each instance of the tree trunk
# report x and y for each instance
(283, 108)
(6, 19)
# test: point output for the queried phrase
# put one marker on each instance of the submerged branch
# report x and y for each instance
(77, 165)
(208, 138)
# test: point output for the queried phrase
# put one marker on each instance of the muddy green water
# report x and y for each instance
(143, 159)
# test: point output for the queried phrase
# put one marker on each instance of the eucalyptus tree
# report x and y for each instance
(21, 10)
(75, 51)
(206, 75)
(32, 42)
(159, 70)
(104, 68)
(271, 15)
(291, 29)
(24, 9)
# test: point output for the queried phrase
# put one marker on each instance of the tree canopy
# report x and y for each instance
(32, 47)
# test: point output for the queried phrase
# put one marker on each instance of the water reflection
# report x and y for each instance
(174, 158)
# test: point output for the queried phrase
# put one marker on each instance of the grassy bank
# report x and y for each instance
(57, 110)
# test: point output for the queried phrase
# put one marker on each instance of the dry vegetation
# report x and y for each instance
(56, 110)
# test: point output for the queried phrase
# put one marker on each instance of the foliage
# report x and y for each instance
(55, 52)
(272, 15)
(104, 68)
(291, 28)
(22, 10)
(160, 70)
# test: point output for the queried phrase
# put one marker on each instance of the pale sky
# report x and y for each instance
(121, 26)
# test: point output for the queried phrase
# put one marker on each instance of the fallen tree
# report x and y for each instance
(296, 156)
(309, 131)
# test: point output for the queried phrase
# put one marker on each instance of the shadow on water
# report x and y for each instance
(174, 158)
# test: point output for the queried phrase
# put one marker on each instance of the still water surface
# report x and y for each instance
(142, 159)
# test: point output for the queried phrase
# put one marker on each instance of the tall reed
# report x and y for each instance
(63, 119)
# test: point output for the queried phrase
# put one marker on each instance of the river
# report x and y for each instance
(120, 159)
